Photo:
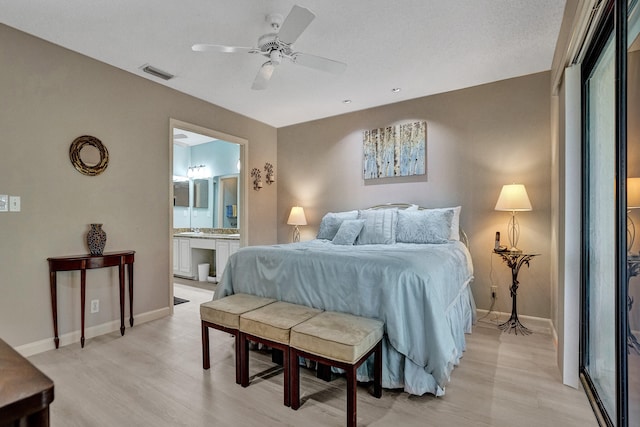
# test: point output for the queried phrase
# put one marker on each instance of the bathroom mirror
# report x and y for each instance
(200, 193)
(181, 193)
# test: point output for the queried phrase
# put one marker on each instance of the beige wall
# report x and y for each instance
(477, 140)
(51, 96)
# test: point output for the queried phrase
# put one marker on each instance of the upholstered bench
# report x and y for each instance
(341, 340)
(224, 314)
(270, 325)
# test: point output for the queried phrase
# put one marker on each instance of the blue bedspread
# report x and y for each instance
(420, 291)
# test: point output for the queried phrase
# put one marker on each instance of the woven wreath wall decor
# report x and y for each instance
(88, 155)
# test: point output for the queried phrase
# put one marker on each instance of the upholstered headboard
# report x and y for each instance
(463, 236)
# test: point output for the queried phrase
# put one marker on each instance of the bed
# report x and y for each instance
(420, 290)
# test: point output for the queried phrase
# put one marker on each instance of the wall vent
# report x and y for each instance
(149, 69)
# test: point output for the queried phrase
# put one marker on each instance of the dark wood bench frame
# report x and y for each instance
(206, 361)
(350, 372)
(244, 339)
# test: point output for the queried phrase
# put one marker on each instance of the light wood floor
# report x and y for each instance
(153, 376)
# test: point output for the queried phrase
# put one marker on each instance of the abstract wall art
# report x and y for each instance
(393, 151)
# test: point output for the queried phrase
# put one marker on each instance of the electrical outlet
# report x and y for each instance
(494, 292)
(95, 305)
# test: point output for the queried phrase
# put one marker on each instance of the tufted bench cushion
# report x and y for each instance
(337, 336)
(341, 340)
(274, 321)
(226, 311)
(271, 325)
(224, 314)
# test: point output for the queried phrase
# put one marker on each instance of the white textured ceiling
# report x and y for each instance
(422, 46)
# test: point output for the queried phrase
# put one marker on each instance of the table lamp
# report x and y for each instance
(633, 202)
(296, 218)
(514, 198)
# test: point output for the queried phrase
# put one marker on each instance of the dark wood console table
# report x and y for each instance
(26, 392)
(84, 263)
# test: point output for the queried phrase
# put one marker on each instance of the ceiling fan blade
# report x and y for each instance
(295, 23)
(219, 48)
(263, 76)
(318, 62)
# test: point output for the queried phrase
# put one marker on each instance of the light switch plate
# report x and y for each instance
(4, 203)
(14, 203)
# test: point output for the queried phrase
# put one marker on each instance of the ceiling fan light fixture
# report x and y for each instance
(277, 47)
(276, 57)
(156, 72)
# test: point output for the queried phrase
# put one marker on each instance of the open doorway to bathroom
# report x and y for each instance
(207, 204)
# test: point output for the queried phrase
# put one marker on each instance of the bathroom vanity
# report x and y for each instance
(193, 248)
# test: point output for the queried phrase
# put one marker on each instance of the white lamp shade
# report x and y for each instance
(296, 217)
(633, 193)
(513, 197)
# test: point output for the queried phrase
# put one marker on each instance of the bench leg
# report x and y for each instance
(242, 359)
(243, 348)
(351, 396)
(377, 370)
(294, 379)
(323, 371)
(286, 364)
(206, 364)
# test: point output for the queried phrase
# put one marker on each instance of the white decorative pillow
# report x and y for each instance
(425, 226)
(379, 226)
(455, 221)
(348, 232)
(331, 223)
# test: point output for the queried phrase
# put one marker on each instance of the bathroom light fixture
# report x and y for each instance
(270, 177)
(514, 198)
(197, 172)
(257, 181)
(296, 218)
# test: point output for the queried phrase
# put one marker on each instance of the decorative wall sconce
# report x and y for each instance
(257, 181)
(270, 178)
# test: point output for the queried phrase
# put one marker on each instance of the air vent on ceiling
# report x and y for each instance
(156, 72)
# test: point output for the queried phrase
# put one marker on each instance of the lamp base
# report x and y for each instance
(296, 234)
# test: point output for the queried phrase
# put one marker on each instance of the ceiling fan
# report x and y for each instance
(276, 47)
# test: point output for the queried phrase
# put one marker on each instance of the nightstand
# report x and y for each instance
(633, 269)
(514, 261)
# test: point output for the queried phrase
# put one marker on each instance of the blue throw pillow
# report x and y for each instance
(379, 227)
(331, 223)
(426, 226)
(348, 231)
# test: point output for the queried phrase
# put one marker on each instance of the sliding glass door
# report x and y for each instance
(610, 352)
(633, 209)
(600, 231)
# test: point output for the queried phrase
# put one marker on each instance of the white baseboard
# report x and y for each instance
(47, 344)
(536, 324)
